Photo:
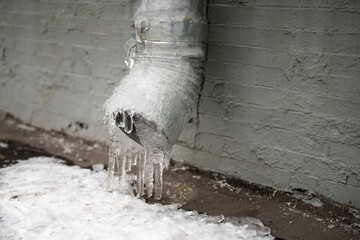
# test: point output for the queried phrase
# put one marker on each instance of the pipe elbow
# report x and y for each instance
(154, 101)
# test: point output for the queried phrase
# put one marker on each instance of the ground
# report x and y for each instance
(298, 215)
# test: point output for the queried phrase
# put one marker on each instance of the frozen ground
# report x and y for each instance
(42, 198)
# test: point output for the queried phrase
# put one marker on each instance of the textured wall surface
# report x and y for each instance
(60, 61)
(280, 105)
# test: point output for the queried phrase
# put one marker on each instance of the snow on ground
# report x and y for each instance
(41, 198)
(3, 145)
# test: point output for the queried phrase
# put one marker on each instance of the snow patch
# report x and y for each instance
(98, 167)
(355, 213)
(4, 145)
(25, 127)
(41, 198)
(309, 198)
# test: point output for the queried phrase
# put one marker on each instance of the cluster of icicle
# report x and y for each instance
(149, 166)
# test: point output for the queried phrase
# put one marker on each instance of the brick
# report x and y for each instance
(319, 83)
(301, 142)
(314, 19)
(22, 102)
(345, 43)
(339, 192)
(349, 5)
(242, 35)
(36, 47)
(347, 21)
(249, 55)
(250, 75)
(344, 65)
(262, 174)
(205, 160)
(279, 3)
(341, 130)
(212, 107)
(248, 16)
(282, 99)
(257, 153)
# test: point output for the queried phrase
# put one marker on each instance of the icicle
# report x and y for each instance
(111, 167)
(129, 156)
(158, 172)
(149, 175)
(117, 154)
(134, 159)
(122, 168)
(140, 174)
(149, 163)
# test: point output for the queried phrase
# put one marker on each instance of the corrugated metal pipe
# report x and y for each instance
(154, 101)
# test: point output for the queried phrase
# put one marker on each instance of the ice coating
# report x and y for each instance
(173, 10)
(149, 163)
(155, 99)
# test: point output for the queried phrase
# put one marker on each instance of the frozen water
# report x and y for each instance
(154, 101)
(171, 9)
(41, 198)
(149, 165)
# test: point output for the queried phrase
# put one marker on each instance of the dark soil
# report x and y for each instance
(296, 215)
(20, 151)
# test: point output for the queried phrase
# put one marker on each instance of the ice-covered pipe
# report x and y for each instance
(154, 101)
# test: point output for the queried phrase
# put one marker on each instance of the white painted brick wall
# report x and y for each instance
(280, 105)
(60, 61)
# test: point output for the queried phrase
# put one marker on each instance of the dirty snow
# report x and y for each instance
(355, 213)
(309, 198)
(3, 145)
(41, 198)
(25, 127)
